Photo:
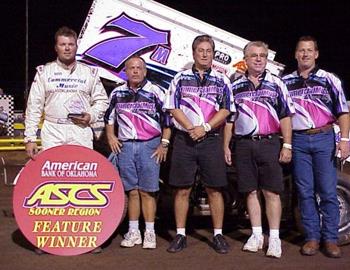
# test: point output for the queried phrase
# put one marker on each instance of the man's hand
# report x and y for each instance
(114, 144)
(160, 153)
(285, 155)
(228, 155)
(196, 133)
(83, 120)
(343, 150)
(31, 149)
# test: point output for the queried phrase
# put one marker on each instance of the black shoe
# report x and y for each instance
(220, 245)
(178, 244)
(96, 250)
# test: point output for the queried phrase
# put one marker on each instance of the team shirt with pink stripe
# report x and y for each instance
(259, 109)
(199, 99)
(138, 114)
(318, 100)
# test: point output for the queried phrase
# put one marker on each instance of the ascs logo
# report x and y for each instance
(70, 194)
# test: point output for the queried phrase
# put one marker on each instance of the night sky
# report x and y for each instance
(277, 22)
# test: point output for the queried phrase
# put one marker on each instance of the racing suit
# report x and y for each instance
(57, 91)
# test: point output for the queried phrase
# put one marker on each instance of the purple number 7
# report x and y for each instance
(139, 36)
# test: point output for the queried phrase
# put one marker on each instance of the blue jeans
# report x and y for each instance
(136, 168)
(315, 173)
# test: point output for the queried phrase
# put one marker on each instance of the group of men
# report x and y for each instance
(201, 111)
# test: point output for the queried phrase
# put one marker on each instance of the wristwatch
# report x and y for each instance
(165, 143)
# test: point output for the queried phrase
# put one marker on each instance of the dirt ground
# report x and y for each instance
(17, 253)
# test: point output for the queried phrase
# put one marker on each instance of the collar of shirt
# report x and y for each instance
(206, 73)
(64, 66)
(140, 86)
(313, 71)
(261, 77)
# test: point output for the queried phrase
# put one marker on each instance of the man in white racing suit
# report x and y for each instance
(68, 94)
(70, 97)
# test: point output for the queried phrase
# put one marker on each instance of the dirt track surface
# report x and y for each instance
(17, 253)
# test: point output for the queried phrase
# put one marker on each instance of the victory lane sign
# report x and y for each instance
(69, 200)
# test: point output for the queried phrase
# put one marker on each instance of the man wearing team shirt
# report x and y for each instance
(319, 101)
(136, 108)
(263, 113)
(199, 100)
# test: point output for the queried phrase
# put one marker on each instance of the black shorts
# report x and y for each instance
(206, 156)
(257, 164)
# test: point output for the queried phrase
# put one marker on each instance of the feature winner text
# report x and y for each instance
(67, 241)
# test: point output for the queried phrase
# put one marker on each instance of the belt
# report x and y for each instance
(312, 131)
(214, 134)
(207, 135)
(138, 140)
(256, 137)
(59, 120)
(134, 140)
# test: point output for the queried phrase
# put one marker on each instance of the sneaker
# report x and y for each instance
(220, 244)
(274, 249)
(178, 244)
(254, 243)
(131, 238)
(149, 240)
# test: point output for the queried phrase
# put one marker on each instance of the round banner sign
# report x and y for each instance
(69, 200)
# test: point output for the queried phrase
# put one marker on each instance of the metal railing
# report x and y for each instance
(12, 144)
